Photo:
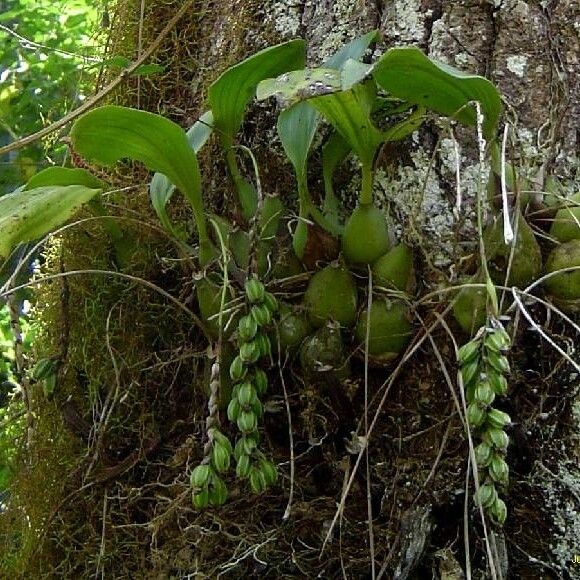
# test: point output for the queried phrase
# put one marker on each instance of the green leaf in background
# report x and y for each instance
(111, 133)
(408, 74)
(148, 69)
(161, 188)
(231, 93)
(123, 243)
(52, 176)
(31, 214)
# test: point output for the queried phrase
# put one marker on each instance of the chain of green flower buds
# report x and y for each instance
(208, 488)
(251, 382)
(483, 367)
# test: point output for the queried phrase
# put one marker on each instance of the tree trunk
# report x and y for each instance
(116, 499)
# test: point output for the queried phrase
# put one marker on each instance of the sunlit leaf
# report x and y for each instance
(408, 74)
(31, 214)
(111, 133)
(161, 189)
(295, 86)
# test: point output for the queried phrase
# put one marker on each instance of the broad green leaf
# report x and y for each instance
(296, 128)
(231, 93)
(111, 133)
(31, 214)
(408, 74)
(63, 176)
(161, 189)
(349, 113)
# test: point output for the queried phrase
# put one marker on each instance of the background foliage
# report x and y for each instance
(47, 66)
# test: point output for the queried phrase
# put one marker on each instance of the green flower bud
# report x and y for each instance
(499, 470)
(247, 328)
(255, 291)
(486, 495)
(498, 438)
(247, 422)
(218, 492)
(234, 409)
(220, 457)
(200, 499)
(498, 362)
(497, 418)
(237, 369)
(222, 440)
(243, 466)
(249, 352)
(261, 314)
(257, 481)
(497, 381)
(269, 472)
(264, 345)
(484, 394)
(495, 343)
(271, 302)
(247, 394)
(470, 372)
(498, 511)
(482, 454)
(257, 408)
(200, 476)
(468, 352)
(475, 415)
(249, 444)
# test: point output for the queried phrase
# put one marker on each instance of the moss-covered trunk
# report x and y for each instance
(104, 490)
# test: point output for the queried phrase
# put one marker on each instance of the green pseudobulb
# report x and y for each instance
(293, 326)
(331, 295)
(565, 287)
(365, 236)
(394, 269)
(322, 354)
(527, 258)
(390, 329)
(566, 224)
(469, 308)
